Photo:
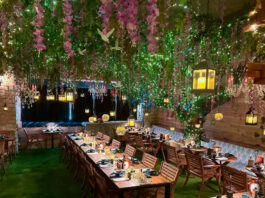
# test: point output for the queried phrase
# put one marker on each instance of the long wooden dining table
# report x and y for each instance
(121, 186)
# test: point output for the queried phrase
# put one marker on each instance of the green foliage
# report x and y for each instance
(256, 134)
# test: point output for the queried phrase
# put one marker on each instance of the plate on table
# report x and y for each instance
(78, 139)
(85, 145)
(2, 136)
(103, 162)
(117, 174)
(120, 179)
(91, 151)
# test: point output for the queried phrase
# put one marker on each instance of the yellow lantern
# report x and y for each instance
(199, 123)
(203, 78)
(251, 117)
(124, 97)
(105, 117)
(146, 114)
(134, 110)
(62, 98)
(166, 100)
(37, 96)
(5, 108)
(120, 130)
(92, 118)
(172, 128)
(112, 113)
(69, 96)
(131, 121)
(87, 111)
(218, 116)
(95, 118)
(50, 97)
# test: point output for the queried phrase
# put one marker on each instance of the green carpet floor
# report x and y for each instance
(39, 174)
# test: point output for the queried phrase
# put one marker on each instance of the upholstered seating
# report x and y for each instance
(242, 153)
(174, 135)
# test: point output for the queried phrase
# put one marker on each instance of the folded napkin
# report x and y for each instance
(151, 173)
(92, 134)
(107, 143)
(116, 151)
(78, 139)
(134, 160)
(85, 145)
(2, 137)
(103, 162)
(120, 179)
(117, 174)
(98, 138)
(72, 135)
(91, 151)
(146, 170)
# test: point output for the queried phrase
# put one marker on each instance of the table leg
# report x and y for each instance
(167, 191)
(52, 141)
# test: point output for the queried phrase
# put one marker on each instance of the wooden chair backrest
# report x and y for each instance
(8, 133)
(2, 146)
(149, 160)
(235, 178)
(116, 143)
(194, 162)
(26, 133)
(170, 172)
(171, 154)
(100, 135)
(129, 150)
(106, 138)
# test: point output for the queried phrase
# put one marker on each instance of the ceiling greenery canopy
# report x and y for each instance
(150, 46)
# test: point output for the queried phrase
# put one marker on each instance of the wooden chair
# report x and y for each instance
(33, 138)
(156, 145)
(175, 156)
(234, 180)
(106, 138)
(100, 135)
(3, 154)
(129, 150)
(149, 161)
(143, 146)
(115, 143)
(11, 143)
(171, 173)
(130, 139)
(197, 167)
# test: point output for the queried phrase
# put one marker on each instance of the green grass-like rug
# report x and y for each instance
(39, 174)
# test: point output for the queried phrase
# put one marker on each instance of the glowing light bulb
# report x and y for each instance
(253, 27)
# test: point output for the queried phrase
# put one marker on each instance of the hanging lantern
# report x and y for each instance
(105, 117)
(62, 98)
(131, 121)
(5, 108)
(146, 114)
(198, 123)
(69, 96)
(203, 78)
(87, 111)
(172, 128)
(218, 116)
(251, 117)
(124, 97)
(92, 118)
(112, 113)
(134, 110)
(50, 97)
(82, 95)
(166, 100)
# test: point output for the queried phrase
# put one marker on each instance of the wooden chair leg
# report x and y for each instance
(27, 146)
(218, 179)
(2, 162)
(187, 179)
(201, 189)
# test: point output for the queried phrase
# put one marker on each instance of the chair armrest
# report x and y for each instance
(211, 166)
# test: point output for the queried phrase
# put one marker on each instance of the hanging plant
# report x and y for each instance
(67, 8)
(39, 23)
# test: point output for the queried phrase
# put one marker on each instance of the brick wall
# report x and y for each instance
(7, 94)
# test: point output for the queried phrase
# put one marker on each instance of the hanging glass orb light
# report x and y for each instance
(62, 97)
(198, 123)
(105, 117)
(166, 100)
(124, 98)
(50, 97)
(146, 114)
(112, 113)
(203, 78)
(69, 96)
(82, 95)
(5, 108)
(218, 116)
(251, 117)
(134, 110)
(93, 118)
(172, 128)
(131, 121)
(87, 111)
